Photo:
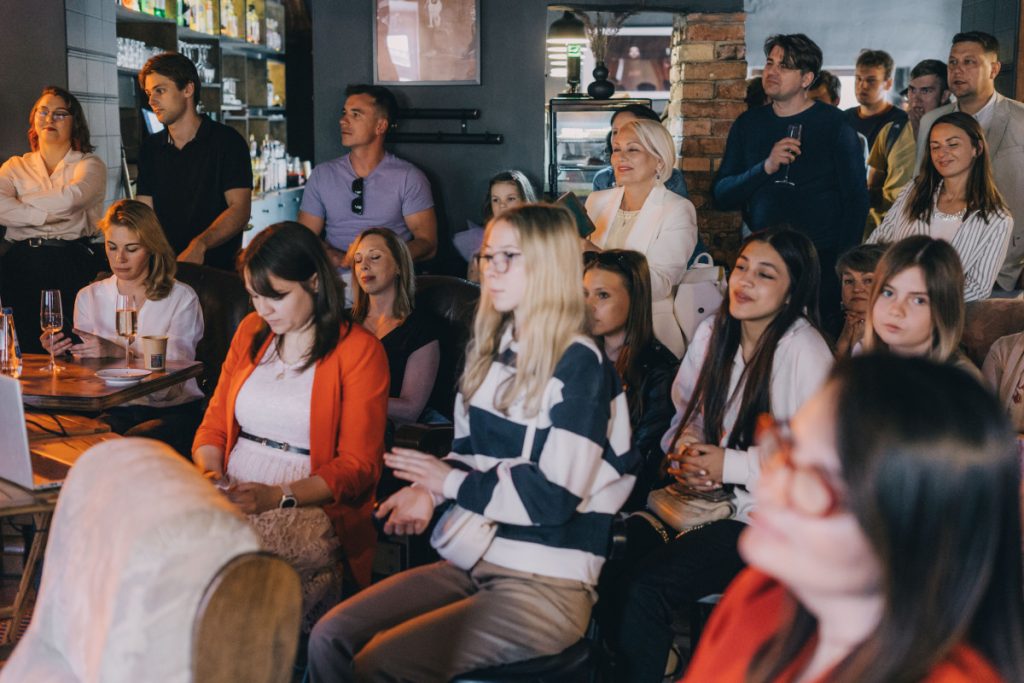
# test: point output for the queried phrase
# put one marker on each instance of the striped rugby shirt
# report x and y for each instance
(981, 245)
(554, 481)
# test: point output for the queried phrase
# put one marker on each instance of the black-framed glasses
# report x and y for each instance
(499, 260)
(57, 114)
(810, 490)
(357, 190)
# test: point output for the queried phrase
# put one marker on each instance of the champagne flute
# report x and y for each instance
(793, 131)
(126, 322)
(51, 320)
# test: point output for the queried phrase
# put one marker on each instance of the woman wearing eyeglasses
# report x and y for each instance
(640, 214)
(761, 353)
(51, 201)
(887, 540)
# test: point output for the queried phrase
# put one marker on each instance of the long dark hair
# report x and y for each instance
(982, 194)
(292, 252)
(711, 394)
(632, 267)
(79, 126)
(935, 486)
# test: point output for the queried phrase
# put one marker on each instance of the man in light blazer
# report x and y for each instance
(973, 67)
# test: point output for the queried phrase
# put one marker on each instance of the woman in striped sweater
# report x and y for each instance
(541, 456)
(955, 199)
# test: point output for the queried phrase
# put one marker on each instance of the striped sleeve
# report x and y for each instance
(982, 247)
(580, 447)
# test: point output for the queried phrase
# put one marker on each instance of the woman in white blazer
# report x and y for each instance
(641, 215)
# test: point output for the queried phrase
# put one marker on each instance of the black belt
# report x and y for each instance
(274, 444)
(36, 242)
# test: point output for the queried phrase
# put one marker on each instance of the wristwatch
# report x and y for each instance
(287, 497)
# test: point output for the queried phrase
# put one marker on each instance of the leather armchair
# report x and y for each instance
(986, 322)
(224, 302)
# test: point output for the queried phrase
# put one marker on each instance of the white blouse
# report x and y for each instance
(66, 204)
(177, 316)
(801, 365)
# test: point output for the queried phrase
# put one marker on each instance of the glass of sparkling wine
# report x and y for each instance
(793, 131)
(127, 323)
(51, 320)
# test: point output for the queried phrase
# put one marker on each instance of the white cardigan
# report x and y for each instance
(665, 232)
(801, 365)
(981, 245)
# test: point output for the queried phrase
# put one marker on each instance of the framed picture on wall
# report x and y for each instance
(638, 61)
(426, 42)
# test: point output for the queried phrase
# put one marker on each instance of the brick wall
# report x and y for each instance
(709, 72)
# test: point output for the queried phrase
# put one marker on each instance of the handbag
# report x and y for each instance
(699, 294)
(462, 536)
(683, 509)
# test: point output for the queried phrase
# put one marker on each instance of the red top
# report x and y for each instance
(346, 428)
(753, 609)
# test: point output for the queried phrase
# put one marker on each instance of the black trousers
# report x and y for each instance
(26, 271)
(639, 602)
(174, 425)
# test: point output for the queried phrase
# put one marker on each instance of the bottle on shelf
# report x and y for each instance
(252, 25)
(210, 27)
(159, 8)
(228, 19)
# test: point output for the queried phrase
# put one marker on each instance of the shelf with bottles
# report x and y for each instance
(147, 10)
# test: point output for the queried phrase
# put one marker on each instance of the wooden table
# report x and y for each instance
(77, 388)
(15, 501)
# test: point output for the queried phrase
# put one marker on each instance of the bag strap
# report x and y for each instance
(894, 132)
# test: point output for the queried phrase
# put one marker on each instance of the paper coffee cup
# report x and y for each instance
(154, 351)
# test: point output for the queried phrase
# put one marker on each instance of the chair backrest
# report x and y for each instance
(135, 540)
(987, 321)
(452, 300)
(255, 644)
(225, 302)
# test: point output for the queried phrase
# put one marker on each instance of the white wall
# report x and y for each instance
(909, 30)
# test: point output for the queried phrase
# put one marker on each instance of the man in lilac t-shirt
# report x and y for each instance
(369, 188)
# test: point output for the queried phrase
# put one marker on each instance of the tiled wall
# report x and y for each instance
(92, 78)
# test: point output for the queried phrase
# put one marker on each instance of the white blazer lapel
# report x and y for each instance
(997, 129)
(648, 223)
(606, 215)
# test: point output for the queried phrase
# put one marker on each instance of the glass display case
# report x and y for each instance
(577, 130)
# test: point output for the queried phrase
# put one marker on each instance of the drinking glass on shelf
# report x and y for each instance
(126, 323)
(793, 131)
(51, 320)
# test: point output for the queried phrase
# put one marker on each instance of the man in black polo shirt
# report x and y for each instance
(196, 172)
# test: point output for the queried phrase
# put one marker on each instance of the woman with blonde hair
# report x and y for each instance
(536, 474)
(917, 306)
(640, 214)
(383, 285)
(143, 266)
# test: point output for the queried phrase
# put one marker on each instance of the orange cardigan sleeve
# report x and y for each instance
(353, 420)
(220, 412)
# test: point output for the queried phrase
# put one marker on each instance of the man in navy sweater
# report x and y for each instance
(826, 197)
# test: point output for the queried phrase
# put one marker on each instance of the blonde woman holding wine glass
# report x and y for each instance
(141, 298)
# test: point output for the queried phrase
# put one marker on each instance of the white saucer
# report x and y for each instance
(122, 376)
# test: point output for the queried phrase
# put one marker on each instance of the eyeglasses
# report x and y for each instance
(357, 190)
(810, 490)
(57, 115)
(613, 257)
(499, 260)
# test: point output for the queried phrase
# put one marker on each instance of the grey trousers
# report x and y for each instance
(434, 622)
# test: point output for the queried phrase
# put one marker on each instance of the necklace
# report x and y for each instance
(286, 367)
(943, 216)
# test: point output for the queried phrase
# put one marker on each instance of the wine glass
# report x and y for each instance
(51, 320)
(793, 131)
(126, 322)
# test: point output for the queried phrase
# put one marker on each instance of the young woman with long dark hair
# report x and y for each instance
(617, 288)
(295, 428)
(954, 198)
(761, 353)
(887, 541)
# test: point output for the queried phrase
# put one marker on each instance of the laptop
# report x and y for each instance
(40, 466)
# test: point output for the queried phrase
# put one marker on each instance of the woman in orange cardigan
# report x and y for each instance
(294, 433)
(886, 544)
